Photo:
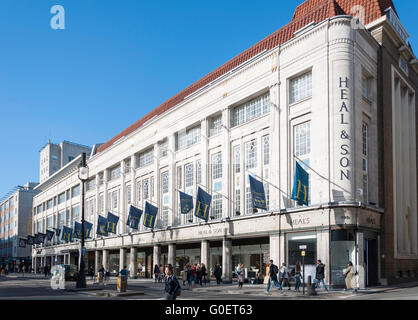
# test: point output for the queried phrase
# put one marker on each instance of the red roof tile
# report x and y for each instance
(308, 11)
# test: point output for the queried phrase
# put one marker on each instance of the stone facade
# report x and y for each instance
(341, 125)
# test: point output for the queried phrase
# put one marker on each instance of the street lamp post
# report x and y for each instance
(83, 175)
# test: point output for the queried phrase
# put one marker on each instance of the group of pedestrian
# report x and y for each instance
(284, 275)
(104, 273)
(5, 269)
(195, 274)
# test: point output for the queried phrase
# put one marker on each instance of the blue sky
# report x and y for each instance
(115, 62)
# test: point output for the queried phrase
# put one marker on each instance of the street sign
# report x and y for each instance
(304, 247)
(303, 253)
(83, 251)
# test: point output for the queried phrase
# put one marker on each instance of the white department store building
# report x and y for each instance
(314, 96)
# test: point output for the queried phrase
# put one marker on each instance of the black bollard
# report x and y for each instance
(311, 287)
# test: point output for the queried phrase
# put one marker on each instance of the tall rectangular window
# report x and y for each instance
(49, 222)
(102, 203)
(237, 159)
(303, 139)
(90, 208)
(367, 88)
(251, 110)
(164, 180)
(179, 177)
(61, 219)
(267, 187)
(129, 194)
(251, 155)
(248, 200)
(365, 189)
(75, 192)
(217, 185)
(301, 87)
(163, 147)
(217, 166)
(189, 175)
(165, 199)
(215, 125)
(152, 186)
(61, 198)
(199, 171)
(237, 185)
(365, 132)
(146, 189)
(139, 188)
(266, 150)
(75, 214)
(115, 196)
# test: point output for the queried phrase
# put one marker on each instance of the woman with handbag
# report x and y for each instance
(350, 277)
(241, 275)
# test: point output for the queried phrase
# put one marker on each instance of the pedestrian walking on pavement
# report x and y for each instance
(273, 272)
(218, 274)
(46, 271)
(23, 270)
(161, 274)
(190, 276)
(320, 275)
(171, 285)
(199, 274)
(350, 277)
(241, 275)
(185, 274)
(284, 276)
(194, 271)
(298, 275)
(156, 273)
(91, 272)
(204, 274)
(102, 272)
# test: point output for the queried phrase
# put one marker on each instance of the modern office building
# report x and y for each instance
(15, 223)
(55, 156)
(333, 92)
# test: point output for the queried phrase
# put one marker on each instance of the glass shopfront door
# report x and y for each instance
(294, 253)
(253, 258)
(343, 250)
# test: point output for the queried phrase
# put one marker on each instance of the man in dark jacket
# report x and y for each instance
(218, 274)
(171, 285)
(320, 275)
(273, 271)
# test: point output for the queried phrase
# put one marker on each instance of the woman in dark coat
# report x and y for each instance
(218, 273)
